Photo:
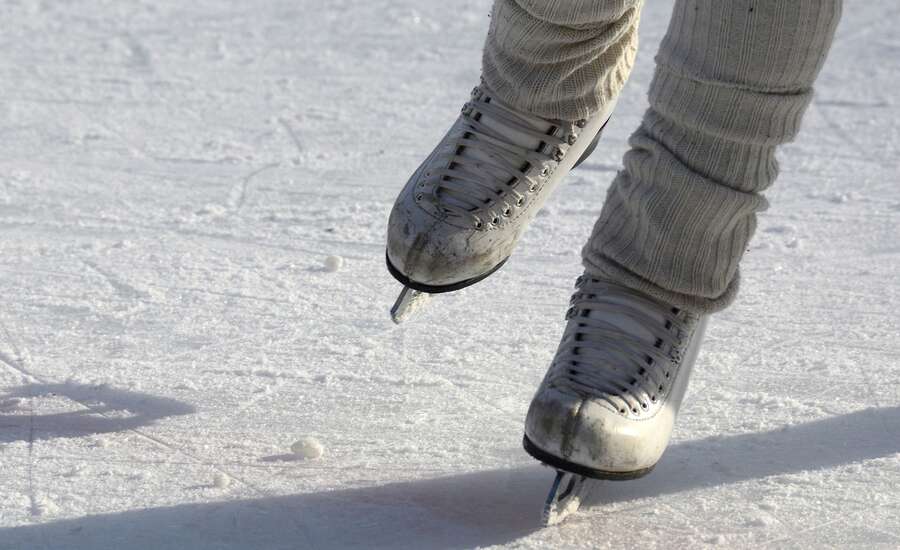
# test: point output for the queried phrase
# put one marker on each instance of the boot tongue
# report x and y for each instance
(503, 131)
(620, 317)
(514, 135)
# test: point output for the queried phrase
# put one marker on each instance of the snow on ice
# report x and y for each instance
(308, 448)
(333, 263)
(221, 481)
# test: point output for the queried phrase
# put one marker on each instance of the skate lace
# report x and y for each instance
(601, 359)
(485, 186)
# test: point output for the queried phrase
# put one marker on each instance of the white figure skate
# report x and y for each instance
(462, 212)
(608, 403)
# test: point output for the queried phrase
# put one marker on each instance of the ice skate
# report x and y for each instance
(608, 403)
(462, 212)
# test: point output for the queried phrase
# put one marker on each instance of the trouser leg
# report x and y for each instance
(733, 80)
(560, 59)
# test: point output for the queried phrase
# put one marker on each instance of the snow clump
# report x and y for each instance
(221, 480)
(333, 263)
(307, 448)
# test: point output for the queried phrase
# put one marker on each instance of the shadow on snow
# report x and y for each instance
(462, 511)
(102, 410)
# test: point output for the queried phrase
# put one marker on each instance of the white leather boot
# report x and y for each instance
(461, 213)
(608, 403)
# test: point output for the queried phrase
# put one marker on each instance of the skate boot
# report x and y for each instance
(608, 403)
(461, 213)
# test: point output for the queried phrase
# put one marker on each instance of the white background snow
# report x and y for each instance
(174, 177)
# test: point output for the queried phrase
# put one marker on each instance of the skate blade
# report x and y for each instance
(565, 497)
(409, 301)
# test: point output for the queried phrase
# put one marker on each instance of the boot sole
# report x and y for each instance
(437, 289)
(565, 465)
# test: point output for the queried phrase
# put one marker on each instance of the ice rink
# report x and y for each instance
(174, 177)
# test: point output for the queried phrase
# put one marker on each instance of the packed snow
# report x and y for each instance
(221, 480)
(308, 448)
(333, 263)
(193, 202)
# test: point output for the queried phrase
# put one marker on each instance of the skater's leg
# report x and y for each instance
(733, 80)
(561, 59)
(552, 71)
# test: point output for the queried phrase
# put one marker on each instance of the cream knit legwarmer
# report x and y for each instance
(733, 80)
(560, 58)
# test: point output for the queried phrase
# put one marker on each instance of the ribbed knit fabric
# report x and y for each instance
(733, 80)
(561, 59)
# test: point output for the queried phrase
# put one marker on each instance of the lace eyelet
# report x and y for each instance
(545, 172)
(419, 197)
(581, 123)
(495, 220)
(571, 138)
(532, 188)
(478, 224)
(506, 212)
(520, 201)
(558, 154)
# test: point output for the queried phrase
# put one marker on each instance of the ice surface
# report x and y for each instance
(172, 177)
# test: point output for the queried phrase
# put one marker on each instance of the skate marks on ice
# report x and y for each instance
(468, 510)
(78, 410)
